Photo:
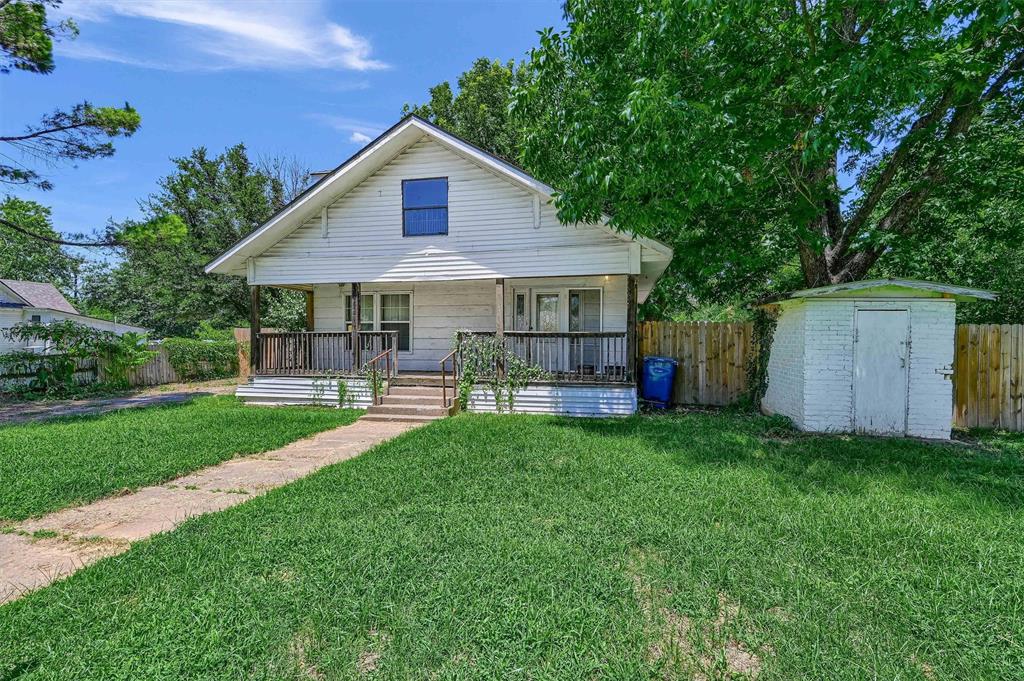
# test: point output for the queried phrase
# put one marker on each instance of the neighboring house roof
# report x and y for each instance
(39, 294)
(961, 293)
(365, 163)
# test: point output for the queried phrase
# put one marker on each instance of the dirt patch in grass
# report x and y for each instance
(368, 659)
(298, 651)
(683, 648)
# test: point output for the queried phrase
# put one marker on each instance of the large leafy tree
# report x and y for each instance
(479, 110)
(211, 202)
(767, 139)
(32, 259)
(971, 230)
(81, 132)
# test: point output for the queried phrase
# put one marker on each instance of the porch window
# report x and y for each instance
(425, 206)
(366, 315)
(395, 315)
(585, 315)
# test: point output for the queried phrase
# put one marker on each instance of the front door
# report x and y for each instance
(547, 319)
(880, 372)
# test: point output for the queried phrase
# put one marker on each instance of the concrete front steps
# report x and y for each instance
(413, 398)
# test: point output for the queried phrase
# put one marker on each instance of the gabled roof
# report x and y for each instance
(39, 294)
(958, 292)
(365, 163)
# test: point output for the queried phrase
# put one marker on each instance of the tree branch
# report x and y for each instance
(113, 243)
(48, 131)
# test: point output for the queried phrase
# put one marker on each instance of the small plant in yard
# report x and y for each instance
(485, 359)
(374, 378)
(321, 384)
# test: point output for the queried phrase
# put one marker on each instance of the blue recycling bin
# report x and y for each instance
(658, 376)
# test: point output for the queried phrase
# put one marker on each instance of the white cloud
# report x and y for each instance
(360, 132)
(252, 34)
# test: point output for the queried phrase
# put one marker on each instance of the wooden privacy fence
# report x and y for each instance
(156, 371)
(712, 358)
(988, 376)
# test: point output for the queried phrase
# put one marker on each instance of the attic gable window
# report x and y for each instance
(425, 206)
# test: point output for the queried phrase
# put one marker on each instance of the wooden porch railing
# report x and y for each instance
(452, 357)
(311, 353)
(572, 356)
(378, 379)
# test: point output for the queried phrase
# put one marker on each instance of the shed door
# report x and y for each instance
(880, 372)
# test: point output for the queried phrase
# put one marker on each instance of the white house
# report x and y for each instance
(421, 234)
(32, 301)
(869, 356)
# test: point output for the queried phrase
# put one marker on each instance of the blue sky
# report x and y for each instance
(308, 78)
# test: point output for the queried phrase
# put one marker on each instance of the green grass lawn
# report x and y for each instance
(51, 465)
(534, 547)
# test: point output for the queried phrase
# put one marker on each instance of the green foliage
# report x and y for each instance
(29, 259)
(26, 37)
(479, 112)
(971, 232)
(120, 354)
(194, 359)
(208, 203)
(206, 331)
(82, 132)
(764, 322)
(283, 309)
(723, 128)
(56, 464)
(68, 343)
(484, 359)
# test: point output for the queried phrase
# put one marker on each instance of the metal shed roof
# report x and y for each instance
(961, 293)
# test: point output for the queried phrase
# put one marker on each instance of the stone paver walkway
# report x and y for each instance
(39, 551)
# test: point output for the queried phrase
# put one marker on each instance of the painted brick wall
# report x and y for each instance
(828, 366)
(930, 406)
(786, 366)
(811, 366)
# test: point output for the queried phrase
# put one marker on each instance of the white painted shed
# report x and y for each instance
(868, 356)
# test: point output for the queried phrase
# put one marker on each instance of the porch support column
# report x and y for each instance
(309, 311)
(499, 320)
(631, 348)
(254, 329)
(357, 291)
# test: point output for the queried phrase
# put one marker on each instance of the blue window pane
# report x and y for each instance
(426, 221)
(425, 193)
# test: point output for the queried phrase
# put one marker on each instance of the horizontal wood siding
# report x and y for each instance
(988, 376)
(567, 400)
(491, 233)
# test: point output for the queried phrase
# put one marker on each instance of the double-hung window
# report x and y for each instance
(384, 312)
(425, 206)
(396, 315)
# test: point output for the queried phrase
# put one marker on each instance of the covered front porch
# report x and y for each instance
(578, 331)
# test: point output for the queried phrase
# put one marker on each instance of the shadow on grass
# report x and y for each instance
(990, 471)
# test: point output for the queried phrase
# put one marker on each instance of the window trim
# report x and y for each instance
(347, 322)
(445, 206)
